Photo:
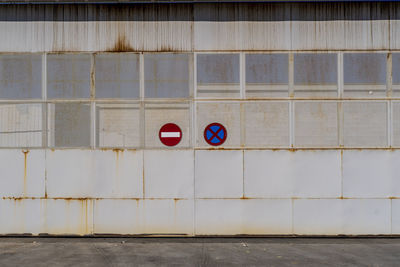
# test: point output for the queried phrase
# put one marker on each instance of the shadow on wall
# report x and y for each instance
(202, 12)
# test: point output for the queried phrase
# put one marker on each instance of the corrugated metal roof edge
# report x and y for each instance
(117, 2)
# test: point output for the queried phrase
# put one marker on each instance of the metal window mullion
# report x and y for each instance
(195, 75)
(340, 74)
(44, 99)
(340, 113)
(389, 75)
(242, 71)
(92, 101)
(141, 101)
(193, 126)
(389, 90)
(291, 102)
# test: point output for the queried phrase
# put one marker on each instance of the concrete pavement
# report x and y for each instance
(49, 251)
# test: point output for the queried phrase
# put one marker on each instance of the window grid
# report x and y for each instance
(193, 99)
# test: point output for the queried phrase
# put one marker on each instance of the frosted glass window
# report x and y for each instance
(20, 76)
(312, 69)
(217, 68)
(69, 124)
(266, 68)
(365, 124)
(266, 124)
(218, 75)
(363, 68)
(396, 68)
(21, 125)
(68, 76)
(118, 125)
(117, 75)
(267, 75)
(167, 75)
(316, 124)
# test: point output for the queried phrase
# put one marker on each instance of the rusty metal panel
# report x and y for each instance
(23, 173)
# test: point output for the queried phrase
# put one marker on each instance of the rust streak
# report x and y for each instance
(122, 45)
(26, 152)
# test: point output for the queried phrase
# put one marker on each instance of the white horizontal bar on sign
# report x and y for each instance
(170, 134)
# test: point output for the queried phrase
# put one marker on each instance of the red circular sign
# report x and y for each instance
(170, 134)
(215, 134)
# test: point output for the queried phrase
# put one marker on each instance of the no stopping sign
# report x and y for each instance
(215, 134)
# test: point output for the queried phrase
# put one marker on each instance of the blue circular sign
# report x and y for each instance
(215, 134)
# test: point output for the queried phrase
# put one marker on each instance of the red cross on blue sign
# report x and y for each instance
(215, 134)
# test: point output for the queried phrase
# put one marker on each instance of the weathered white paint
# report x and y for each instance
(303, 198)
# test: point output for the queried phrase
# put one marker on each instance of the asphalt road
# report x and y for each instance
(98, 252)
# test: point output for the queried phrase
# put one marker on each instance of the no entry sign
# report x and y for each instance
(170, 134)
(215, 134)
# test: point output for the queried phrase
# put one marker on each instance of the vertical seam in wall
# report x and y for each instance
(93, 120)
(341, 173)
(143, 176)
(389, 123)
(391, 216)
(241, 125)
(243, 191)
(292, 204)
(93, 207)
(45, 173)
(291, 123)
(194, 193)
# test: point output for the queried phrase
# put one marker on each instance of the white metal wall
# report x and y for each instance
(344, 180)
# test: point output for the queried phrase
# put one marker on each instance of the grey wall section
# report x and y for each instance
(200, 27)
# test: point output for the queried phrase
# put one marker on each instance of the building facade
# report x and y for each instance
(309, 95)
